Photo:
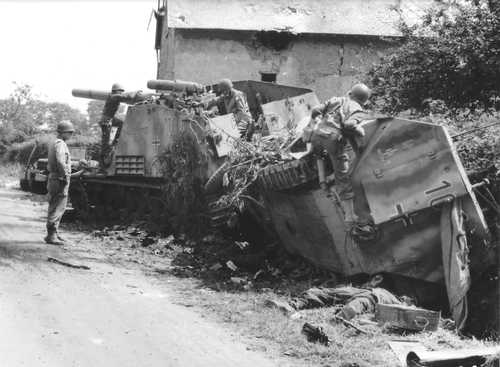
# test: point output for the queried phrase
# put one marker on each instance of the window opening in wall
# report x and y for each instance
(268, 77)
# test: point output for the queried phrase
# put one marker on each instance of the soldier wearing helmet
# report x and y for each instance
(339, 124)
(234, 101)
(108, 119)
(59, 167)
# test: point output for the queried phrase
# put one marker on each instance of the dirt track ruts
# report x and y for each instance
(52, 315)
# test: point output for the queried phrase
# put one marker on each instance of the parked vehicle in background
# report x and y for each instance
(34, 175)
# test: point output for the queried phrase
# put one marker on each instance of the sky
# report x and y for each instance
(56, 46)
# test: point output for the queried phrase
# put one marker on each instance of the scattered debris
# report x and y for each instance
(147, 241)
(279, 305)
(158, 252)
(216, 266)
(56, 261)
(453, 357)
(315, 334)
(296, 316)
(161, 271)
(257, 274)
(231, 265)
(407, 317)
(241, 244)
(239, 280)
(401, 348)
(349, 324)
(134, 232)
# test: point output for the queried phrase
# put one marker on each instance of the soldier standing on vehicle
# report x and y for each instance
(109, 120)
(340, 119)
(59, 167)
(235, 102)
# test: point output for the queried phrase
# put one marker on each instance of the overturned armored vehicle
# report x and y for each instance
(412, 194)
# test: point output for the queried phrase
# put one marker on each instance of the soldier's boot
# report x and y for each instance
(60, 238)
(51, 237)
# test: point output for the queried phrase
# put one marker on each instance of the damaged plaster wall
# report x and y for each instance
(328, 64)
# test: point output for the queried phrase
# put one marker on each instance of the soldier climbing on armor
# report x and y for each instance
(108, 119)
(339, 124)
(235, 102)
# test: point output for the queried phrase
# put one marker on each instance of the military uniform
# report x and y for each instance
(108, 120)
(356, 301)
(236, 103)
(59, 167)
(338, 126)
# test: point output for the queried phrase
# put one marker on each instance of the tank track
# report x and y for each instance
(102, 202)
(287, 175)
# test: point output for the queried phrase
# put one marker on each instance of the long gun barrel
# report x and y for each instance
(91, 94)
(470, 131)
(176, 86)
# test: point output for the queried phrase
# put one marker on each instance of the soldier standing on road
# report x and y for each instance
(235, 102)
(340, 119)
(59, 167)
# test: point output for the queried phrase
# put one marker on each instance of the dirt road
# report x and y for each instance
(52, 315)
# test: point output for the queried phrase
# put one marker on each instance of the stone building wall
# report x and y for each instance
(328, 64)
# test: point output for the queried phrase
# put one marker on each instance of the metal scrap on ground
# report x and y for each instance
(60, 262)
(453, 358)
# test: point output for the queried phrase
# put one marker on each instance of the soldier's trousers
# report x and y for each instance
(331, 139)
(58, 198)
(105, 136)
(356, 300)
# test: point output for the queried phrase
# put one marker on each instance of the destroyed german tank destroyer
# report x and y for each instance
(408, 182)
(134, 180)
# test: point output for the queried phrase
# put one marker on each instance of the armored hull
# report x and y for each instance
(407, 173)
(134, 179)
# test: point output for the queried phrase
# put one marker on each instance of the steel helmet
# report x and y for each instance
(117, 87)
(65, 127)
(225, 84)
(360, 92)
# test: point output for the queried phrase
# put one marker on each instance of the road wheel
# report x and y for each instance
(287, 175)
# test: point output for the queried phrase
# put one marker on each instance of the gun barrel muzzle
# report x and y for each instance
(91, 94)
(176, 86)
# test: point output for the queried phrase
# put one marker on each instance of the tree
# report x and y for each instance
(22, 116)
(453, 56)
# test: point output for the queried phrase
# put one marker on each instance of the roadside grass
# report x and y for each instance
(269, 330)
(187, 268)
(9, 172)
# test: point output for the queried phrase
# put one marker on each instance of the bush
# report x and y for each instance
(447, 70)
(182, 192)
(453, 56)
(478, 149)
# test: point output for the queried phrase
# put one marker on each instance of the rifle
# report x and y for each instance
(459, 135)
